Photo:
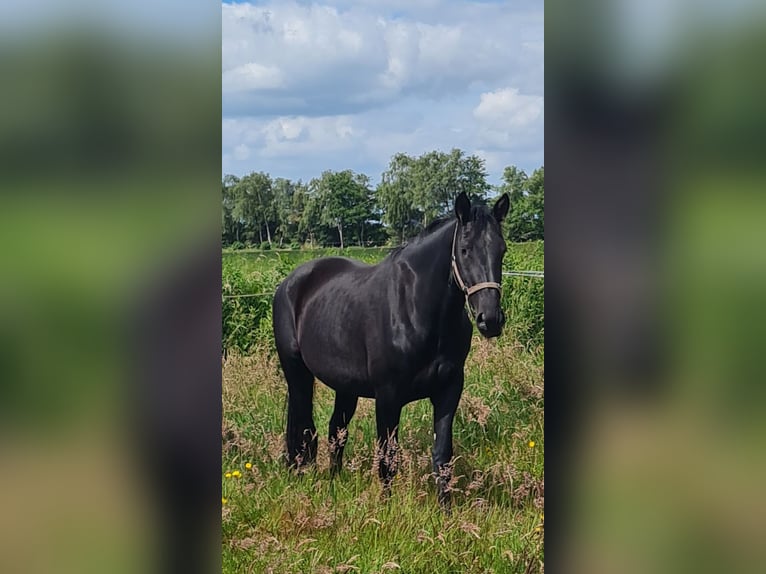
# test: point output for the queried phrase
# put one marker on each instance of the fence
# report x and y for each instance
(537, 274)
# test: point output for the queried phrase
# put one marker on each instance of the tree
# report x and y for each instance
(254, 203)
(362, 212)
(536, 203)
(525, 222)
(441, 177)
(286, 225)
(394, 196)
(310, 215)
(346, 201)
(416, 190)
(470, 176)
(230, 227)
(413, 191)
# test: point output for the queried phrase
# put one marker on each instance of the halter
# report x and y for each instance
(468, 291)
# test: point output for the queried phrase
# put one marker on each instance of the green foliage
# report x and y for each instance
(416, 190)
(395, 197)
(265, 246)
(340, 208)
(346, 202)
(246, 320)
(526, 220)
(286, 216)
(251, 196)
(246, 273)
(230, 226)
(524, 297)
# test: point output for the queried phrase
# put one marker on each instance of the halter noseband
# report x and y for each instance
(468, 291)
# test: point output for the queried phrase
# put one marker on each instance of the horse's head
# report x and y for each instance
(477, 257)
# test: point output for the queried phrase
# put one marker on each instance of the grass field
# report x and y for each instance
(274, 521)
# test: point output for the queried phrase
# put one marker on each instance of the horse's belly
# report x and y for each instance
(357, 388)
(339, 369)
(332, 345)
(341, 379)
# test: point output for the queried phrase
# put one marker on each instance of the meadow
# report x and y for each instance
(278, 522)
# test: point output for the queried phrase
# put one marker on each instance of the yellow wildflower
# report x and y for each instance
(248, 465)
(236, 474)
(224, 500)
(227, 475)
(531, 444)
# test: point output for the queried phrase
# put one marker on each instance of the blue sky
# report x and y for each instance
(345, 84)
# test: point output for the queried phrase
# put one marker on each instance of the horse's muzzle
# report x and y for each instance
(490, 325)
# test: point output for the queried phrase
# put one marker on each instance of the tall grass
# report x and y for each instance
(524, 297)
(275, 521)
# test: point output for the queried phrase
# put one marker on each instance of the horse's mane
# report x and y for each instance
(479, 213)
(428, 230)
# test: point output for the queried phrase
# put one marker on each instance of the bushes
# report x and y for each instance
(247, 320)
(524, 297)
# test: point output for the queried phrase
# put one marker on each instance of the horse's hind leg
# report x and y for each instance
(345, 407)
(301, 436)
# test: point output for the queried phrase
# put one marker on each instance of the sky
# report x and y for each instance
(346, 84)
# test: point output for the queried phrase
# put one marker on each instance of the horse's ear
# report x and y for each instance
(463, 208)
(500, 209)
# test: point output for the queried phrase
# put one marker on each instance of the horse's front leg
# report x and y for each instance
(388, 410)
(445, 404)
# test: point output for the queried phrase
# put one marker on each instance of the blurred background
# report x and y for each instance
(655, 115)
(109, 235)
(110, 268)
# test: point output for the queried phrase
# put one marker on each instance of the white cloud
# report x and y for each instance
(508, 109)
(509, 128)
(294, 58)
(251, 76)
(301, 147)
(290, 135)
(308, 87)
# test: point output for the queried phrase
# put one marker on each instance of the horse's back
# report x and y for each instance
(309, 278)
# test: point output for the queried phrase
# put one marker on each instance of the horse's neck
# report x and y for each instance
(431, 260)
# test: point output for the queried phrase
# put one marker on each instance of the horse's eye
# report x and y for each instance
(464, 251)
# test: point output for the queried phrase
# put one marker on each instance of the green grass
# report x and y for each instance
(276, 521)
(247, 321)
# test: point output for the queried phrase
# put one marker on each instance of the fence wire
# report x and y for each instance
(536, 274)
(539, 274)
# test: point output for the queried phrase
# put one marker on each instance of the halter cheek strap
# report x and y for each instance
(468, 291)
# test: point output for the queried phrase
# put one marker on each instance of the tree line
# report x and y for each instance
(342, 208)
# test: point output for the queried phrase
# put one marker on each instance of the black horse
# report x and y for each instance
(397, 332)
